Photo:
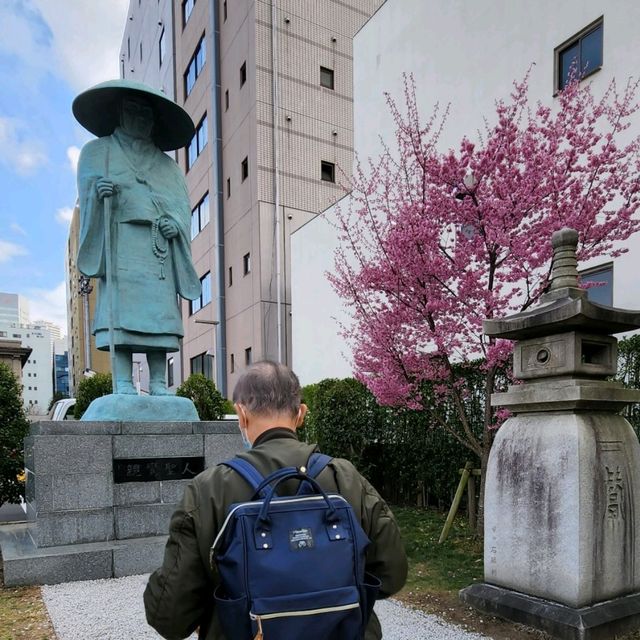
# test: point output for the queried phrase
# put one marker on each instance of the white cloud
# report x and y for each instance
(64, 215)
(76, 40)
(73, 154)
(16, 228)
(49, 304)
(10, 250)
(19, 151)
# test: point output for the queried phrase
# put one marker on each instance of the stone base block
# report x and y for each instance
(121, 407)
(601, 621)
(25, 564)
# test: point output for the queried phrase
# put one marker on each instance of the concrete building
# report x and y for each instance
(269, 87)
(13, 308)
(13, 354)
(37, 372)
(467, 54)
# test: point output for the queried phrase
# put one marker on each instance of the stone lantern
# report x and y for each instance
(562, 506)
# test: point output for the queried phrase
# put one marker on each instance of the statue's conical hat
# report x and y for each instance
(98, 110)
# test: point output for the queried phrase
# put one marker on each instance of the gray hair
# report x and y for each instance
(267, 388)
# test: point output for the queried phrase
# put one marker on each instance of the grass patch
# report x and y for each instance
(23, 615)
(450, 566)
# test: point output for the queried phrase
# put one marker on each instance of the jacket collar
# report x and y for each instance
(272, 434)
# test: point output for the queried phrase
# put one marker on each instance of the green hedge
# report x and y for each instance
(408, 459)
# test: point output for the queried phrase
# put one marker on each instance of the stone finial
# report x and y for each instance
(564, 270)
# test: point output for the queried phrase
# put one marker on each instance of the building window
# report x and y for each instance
(195, 66)
(170, 372)
(328, 171)
(203, 363)
(228, 187)
(200, 216)
(230, 276)
(187, 8)
(140, 51)
(603, 275)
(247, 356)
(243, 73)
(232, 365)
(161, 47)
(198, 143)
(224, 10)
(583, 51)
(326, 78)
(128, 48)
(226, 100)
(205, 294)
(244, 169)
(246, 263)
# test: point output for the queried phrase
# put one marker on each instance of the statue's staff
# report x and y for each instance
(109, 267)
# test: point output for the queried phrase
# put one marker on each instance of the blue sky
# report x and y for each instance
(47, 56)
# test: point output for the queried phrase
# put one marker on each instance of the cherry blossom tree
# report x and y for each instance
(433, 242)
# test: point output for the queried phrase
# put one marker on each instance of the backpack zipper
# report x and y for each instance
(279, 501)
(304, 612)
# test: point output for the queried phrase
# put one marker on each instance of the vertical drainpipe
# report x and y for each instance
(216, 119)
(276, 172)
(174, 97)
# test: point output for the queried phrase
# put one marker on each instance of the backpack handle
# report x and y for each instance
(263, 518)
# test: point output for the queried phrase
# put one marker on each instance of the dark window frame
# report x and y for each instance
(203, 363)
(170, 376)
(187, 9)
(577, 39)
(196, 146)
(205, 297)
(601, 269)
(248, 356)
(196, 65)
(327, 78)
(230, 276)
(226, 100)
(325, 166)
(246, 263)
(225, 12)
(161, 48)
(243, 74)
(244, 169)
(201, 215)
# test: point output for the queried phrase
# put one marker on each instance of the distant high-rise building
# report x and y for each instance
(269, 88)
(14, 308)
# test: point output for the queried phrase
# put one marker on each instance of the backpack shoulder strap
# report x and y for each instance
(317, 462)
(248, 472)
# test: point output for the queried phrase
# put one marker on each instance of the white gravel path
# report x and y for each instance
(113, 610)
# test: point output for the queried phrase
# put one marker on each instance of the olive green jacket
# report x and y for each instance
(179, 596)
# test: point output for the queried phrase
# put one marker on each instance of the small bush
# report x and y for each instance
(14, 426)
(227, 407)
(89, 389)
(203, 393)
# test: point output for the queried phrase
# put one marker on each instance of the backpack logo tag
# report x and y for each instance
(300, 539)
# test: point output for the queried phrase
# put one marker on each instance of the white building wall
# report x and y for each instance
(37, 373)
(468, 54)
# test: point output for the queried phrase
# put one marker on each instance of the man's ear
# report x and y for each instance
(302, 412)
(242, 415)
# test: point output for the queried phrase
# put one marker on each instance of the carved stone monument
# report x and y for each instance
(562, 506)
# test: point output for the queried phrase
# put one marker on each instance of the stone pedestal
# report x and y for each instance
(564, 507)
(100, 495)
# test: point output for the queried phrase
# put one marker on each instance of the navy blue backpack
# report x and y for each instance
(292, 568)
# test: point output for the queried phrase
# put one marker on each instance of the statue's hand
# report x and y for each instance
(168, 228)
(105, 188)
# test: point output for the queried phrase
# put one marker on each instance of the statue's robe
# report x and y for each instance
(149, 186)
